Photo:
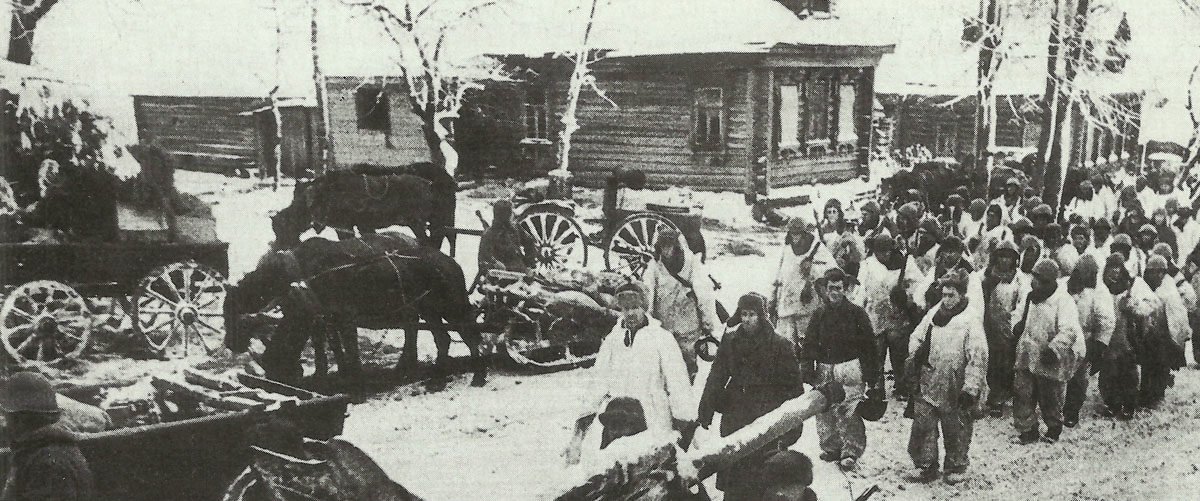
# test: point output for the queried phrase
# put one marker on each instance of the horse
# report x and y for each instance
(344, 200)
(936, 180)
(377, 281)
(445, 195)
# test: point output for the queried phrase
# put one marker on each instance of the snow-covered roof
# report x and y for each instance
(228, 47)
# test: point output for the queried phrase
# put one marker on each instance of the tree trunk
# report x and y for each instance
(1058, 125)
(23, 26)
(429, 133)
(324, 152)
(985, 107)
(569, 120)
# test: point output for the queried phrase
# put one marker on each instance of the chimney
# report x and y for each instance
(809, 8)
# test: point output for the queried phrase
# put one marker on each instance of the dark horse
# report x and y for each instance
(378, 281)
(936, 180)
(344, 200)
(445, 195)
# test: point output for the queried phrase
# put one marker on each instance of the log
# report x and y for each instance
(656, 467)
(205, 395)
(208, 380)
(274, 386)
(708, 459)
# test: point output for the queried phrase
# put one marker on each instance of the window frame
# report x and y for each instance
(539, 112)
(375, 116)
(702, 137)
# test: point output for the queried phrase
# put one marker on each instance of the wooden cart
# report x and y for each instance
(173, 293)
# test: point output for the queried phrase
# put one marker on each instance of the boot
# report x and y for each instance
(830, 456)
(1052, 434)
(953, 478)
(1070, 421)
(1029, 437)
(922, 475)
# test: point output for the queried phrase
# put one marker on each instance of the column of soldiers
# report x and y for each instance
(980, 307)
(977, 307)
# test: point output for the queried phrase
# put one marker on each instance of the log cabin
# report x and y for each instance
(756, 95)
(928, 89)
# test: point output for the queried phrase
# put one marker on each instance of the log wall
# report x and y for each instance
(213, 134)
(403, 144)
(651, 129)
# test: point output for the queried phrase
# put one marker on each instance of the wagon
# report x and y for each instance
(196, 458)
(173, 293)
(626, 235)
(553, 319)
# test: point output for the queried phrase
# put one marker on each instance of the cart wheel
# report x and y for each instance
(44, 321)
(557, 237)
(631, 246)
(181, 303)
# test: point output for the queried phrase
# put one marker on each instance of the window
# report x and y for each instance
(945, 142)
(372, 106)
(818, 94)
(846, 134)
(536, 124)
(789, 117)
(708, 129)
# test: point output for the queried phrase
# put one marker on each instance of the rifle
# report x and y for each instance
(773, 309)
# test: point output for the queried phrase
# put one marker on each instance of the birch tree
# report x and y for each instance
(582, 57)
(435, 81)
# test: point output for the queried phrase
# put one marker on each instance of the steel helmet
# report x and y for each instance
(28, 392)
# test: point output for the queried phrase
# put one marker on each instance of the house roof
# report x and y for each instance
(228, 47)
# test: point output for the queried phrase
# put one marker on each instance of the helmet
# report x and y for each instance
(28, 392)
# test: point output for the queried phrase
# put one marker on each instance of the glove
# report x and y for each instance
(1049, 357)
(1095, 350)
(966, 401)
(686, 429)
(1018, 329)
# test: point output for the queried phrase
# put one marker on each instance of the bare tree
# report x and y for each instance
(25, 17)
(435, 82)
(581, 76)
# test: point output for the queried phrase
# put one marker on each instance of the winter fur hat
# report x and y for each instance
(955, 200)
(1021, 224)
(977, 207)
(1122, 239)
(1084, 275)
(1081, 229)
(870, 206)
(1156, 262)
(952, 244)
(755, 302)
(631, 291)
(1043, 210)
(1007, 246)
(1012, 181)
(624, 411)
(910, 210)
(1046, 269)
(957, 279)
(796, 226)
(931, 226)
(1148, 228)
(833, 202)
(1163, 249)
(787, 467)
(1102, 223)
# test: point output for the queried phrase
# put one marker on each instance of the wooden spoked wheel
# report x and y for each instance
(44, 321)
(557, 237)
(180, 305)
(631, 246)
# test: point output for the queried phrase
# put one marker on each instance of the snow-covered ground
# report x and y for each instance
(503, 441)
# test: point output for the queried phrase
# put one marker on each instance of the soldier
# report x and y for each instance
(1097, 318)
(841, 344)
(1000, 291)
(950, 381)
(795, 296)
(1049, 345)
(680, 294)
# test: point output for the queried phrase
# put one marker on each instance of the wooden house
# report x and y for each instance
(928, 88)
(715, 95)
